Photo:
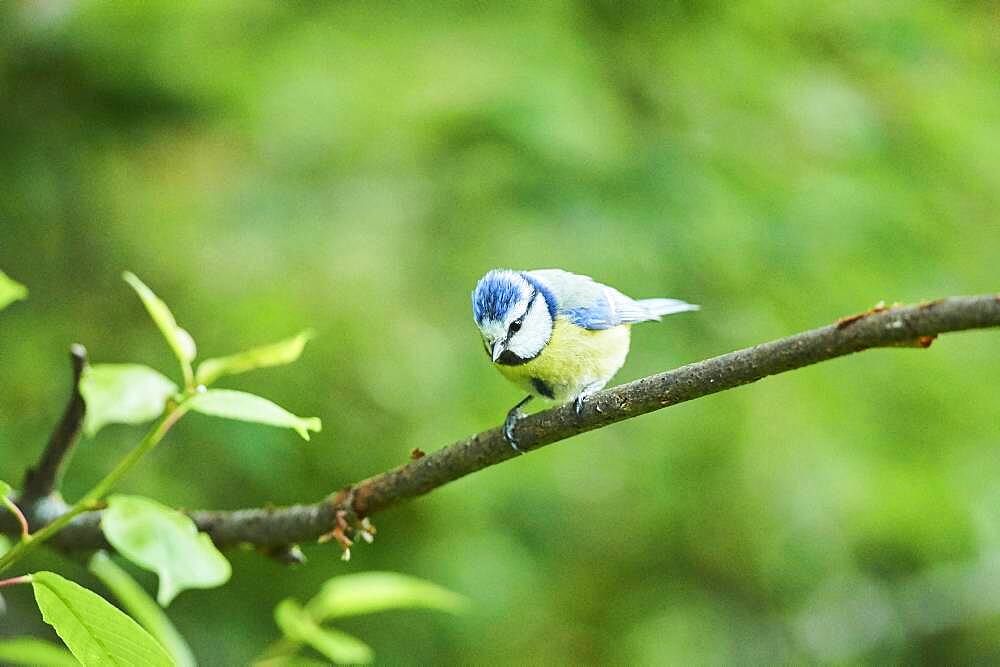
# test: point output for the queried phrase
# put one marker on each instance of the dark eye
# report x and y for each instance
(515, 326)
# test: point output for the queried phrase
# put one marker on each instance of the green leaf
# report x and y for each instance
(142, 608)
(123, 394)
(31, 651)
(165, 541)
(97, 632)
(4, 544)
(289, 661)
(276, 354)
(178, 339)
(299, 626)
(251, 408)
(10, 291)
(367, 592)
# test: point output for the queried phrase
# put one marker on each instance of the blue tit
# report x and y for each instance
(558, 335)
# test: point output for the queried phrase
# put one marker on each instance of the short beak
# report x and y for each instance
(498, 349)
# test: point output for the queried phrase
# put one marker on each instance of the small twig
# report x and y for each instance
(277, 526)
(44, 479)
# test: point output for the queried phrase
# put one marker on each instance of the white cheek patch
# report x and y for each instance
(536, 330)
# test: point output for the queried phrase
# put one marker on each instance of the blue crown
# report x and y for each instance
(495, 294)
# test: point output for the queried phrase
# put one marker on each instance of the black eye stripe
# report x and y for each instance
(531, 302)
(515, 326)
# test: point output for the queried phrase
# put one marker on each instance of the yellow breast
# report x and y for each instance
(574, 359)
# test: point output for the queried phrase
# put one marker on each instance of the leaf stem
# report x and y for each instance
(16, 511)
(93, 497)
(23, 579)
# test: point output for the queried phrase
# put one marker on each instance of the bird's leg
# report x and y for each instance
(588, 391)
(508, 425)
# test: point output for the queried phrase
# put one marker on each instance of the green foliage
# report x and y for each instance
(178, 339)
(164, 541)
(149, 534)
(369, 592)
(134, 394)
(276, 354)
(123, 394)
(96, 632)
(229, 404)
(10, 291)
(299, 626)
(355, 595)
(248, 407)
(35, 652)
(142, 608)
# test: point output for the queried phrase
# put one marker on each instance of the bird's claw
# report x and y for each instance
(587, 392)
(511, 421)
(508, 428)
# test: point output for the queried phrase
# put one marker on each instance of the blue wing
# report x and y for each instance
(610, 309)
(591, 305)
(596, 316)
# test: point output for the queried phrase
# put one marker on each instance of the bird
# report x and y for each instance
(558, 335)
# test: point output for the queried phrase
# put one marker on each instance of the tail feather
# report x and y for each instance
(657, 308)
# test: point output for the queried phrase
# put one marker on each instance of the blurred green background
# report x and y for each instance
(270, 166)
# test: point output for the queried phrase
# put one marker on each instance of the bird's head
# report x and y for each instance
(513, 316)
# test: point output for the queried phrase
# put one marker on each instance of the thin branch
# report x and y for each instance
(915, 326)
(44, 478)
